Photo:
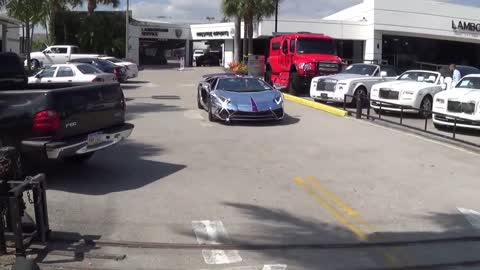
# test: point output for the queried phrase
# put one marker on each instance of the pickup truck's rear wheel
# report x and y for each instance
(34, 64)
(82, 158)
(293, 85)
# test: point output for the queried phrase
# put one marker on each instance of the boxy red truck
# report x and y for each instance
(298, 57)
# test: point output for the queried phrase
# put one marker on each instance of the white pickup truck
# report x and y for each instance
(58, 54)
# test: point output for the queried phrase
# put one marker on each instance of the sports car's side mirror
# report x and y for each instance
(443, 86)
(383, 74)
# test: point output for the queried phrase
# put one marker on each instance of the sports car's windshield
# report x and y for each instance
(361, 69)
(470, 83)
(419, 76)
(242, 85)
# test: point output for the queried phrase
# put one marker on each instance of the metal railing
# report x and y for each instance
(365, 103)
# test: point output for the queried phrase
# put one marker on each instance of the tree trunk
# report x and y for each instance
(45, 25)
(250, 36)
(27, 43)
(31, 35)
(92, 5)
(237, 41)
(245, 38)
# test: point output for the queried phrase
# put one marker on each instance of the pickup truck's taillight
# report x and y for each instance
(46, 122)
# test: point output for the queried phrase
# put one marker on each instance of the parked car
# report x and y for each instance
(298, 57)
(356, 79)
(71, 75)
(132, 68)
(462, 101)
(197, 53)
(62, 124)
(106, 66)
(208, 59)
(414, 88)
(58, 54)
(12, 72)
(228, 97)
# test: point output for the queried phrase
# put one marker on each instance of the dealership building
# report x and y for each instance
(9, 34)
(408, 33)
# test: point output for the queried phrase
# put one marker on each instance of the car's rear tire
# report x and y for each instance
(360, 94)
(292, 87)
(34, 64)
(427, 104)
(82, 158)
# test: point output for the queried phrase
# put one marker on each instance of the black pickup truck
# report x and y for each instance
(61, 124)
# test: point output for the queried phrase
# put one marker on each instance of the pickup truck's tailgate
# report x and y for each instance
(87, 109)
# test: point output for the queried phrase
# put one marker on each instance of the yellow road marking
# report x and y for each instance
(316, 105)
(331, 209)
(313, 186)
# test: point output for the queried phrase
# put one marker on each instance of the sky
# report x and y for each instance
(198, 10)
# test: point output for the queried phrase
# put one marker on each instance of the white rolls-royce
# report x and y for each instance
(356, 79)
(414, 88)
(462, 101)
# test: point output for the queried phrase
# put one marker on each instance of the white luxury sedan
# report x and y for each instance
(356, 79)
(462, 101)
(414, 88)
(132, 68)
(71, 74)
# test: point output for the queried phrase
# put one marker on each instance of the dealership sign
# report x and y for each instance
(213, 34)
(153, 32)
(465, 26)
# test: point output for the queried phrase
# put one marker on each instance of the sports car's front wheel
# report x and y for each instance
(199, 104)
(211, 117)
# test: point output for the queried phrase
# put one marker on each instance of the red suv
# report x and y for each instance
(296, 58)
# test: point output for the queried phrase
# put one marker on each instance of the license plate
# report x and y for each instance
(323, 95)
(94, 139)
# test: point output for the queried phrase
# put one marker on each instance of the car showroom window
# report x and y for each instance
(87, 69)
(65, 72)
(285, 47)
(391, 72)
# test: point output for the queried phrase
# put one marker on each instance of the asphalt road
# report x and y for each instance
(314, 190)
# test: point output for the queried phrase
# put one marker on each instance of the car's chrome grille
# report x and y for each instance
(388, 94)
(459, 107)
(324, 85)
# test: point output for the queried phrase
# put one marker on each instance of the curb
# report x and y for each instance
(316, 105)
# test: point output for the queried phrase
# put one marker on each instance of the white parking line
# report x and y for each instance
(213, 232)
(274, 267)
(472, 216)
(258, 267)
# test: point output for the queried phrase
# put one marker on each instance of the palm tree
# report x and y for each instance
(256, 10)
(232, 8)
(30, 13)
(92, 4)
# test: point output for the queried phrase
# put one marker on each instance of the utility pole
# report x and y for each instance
(127, 15)
(276, 16)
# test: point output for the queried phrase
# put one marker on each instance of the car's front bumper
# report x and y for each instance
(237, 115)
(58, 149)
(445, 120)
(327, 96)
(394, 105)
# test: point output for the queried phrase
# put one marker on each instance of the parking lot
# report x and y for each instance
(315, 191)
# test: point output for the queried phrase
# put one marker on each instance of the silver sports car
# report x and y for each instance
(230, 97)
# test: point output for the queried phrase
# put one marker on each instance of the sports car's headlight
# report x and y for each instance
(440, 100)
(278, 100)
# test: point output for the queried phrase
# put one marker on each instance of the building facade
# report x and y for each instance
(9, 34)
(408, 33)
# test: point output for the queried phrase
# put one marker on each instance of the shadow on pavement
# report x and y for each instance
(117, 169)
(167, 97)
(309, 243)
(135, 110)
(130, 86)
(134, 82)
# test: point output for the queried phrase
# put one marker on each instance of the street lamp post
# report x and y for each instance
(276, 16)
(126, 29)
